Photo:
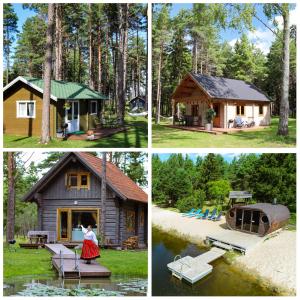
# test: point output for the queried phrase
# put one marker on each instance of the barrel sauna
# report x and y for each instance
(259, 218)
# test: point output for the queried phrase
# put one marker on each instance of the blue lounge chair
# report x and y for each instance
(204, 217)
(218, 217)
(199, 216)
(189, 212)
(196, 213)
(213, 213)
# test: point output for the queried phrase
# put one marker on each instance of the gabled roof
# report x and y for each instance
(60, 89)
(126, 188)
(138, 98)
(225, 88)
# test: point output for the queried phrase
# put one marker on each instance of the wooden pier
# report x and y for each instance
(192, 269)
(235, 240)
(69, 265)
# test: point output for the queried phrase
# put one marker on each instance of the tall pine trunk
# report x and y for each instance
(123, 10)
(7, 57)
(158, 94)
(195, 55)
(99, 59)
(45, 138)
(58, 43)
(103, 196)
(138, 69)
(10, 224)
(284, 101)
(91, 56)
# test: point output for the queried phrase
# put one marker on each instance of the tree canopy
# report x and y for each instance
(185, 183)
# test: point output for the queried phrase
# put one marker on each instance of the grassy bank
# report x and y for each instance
(166, 137)
(37, 262)
(135, 137)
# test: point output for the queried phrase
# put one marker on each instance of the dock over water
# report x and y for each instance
(193, 269)
(235, 240)
(69, 265)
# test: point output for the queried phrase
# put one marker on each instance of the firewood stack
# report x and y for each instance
(131, 243)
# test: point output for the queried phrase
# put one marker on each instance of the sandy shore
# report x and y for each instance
(274, 260)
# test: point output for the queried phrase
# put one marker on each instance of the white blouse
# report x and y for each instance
(89, 235)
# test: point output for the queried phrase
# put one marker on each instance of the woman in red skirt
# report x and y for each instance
(90, 248)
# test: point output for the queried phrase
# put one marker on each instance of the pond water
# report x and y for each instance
(53, 286)
(225, 279)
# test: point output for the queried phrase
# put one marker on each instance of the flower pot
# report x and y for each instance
(90, 132)
(208, 126)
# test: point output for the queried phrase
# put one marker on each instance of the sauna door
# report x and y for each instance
(239, 219)
(247, 220)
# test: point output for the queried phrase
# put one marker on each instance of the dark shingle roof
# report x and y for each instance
(225, 88)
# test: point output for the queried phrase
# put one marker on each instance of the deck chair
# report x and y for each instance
(238, 122)
(194, 214)
(199, 216)
(218, 217)
(213, 213)
(204, 217)
(188, 212)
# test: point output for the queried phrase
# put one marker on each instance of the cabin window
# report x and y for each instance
(240, 110)
(78, 180)
(25, 109)
(93, 107)
(261, 109)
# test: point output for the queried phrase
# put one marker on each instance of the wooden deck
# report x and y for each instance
(192, 269)
(237, 240)
(64, 261)
(98, 133)
(216, 130)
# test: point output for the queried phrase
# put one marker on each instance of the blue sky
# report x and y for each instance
(261, 36)
(228, 157)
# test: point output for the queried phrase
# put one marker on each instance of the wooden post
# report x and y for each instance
(173, 110)
(39, 202)
(103, 196)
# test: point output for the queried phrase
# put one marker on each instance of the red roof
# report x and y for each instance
(122, 183)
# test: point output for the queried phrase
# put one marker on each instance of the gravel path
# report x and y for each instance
(273, 259)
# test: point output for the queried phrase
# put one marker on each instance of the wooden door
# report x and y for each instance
(72, 116)
(217, 121)
(63, 224)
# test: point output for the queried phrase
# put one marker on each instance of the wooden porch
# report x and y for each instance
(216, 130)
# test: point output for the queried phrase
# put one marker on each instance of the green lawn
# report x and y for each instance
(165, 137)
(37, 262)
(135, 137)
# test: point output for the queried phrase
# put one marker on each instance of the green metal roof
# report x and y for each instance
(67, 90)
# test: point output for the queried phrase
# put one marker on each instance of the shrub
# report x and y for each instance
(194, 200)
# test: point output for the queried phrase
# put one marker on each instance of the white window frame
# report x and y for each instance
(26, 101)
(93, 113)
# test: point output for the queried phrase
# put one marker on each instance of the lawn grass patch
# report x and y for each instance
(37, 262)
(135, 137)
(166, 137)
(23, 262)
(131, 263)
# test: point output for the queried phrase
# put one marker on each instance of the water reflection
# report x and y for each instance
(225, 279)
